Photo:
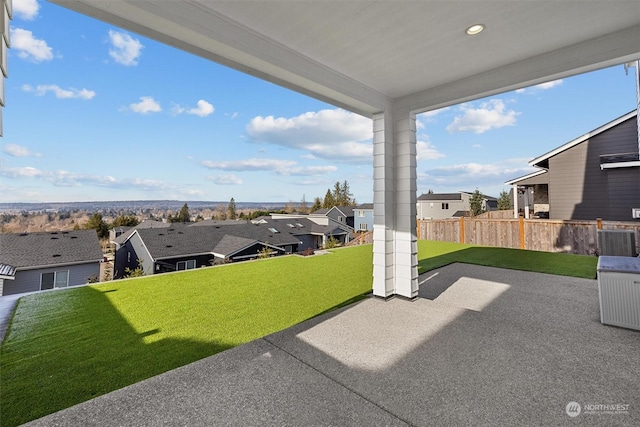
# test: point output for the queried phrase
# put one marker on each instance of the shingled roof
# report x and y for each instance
(31, 250)
(183, 239)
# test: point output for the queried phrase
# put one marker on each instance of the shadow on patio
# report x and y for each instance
(515, 353)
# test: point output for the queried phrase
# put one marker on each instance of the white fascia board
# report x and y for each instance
(620, 165)
(583, 138)
(522, 178)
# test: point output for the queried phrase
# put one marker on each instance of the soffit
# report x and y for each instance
(365, 55)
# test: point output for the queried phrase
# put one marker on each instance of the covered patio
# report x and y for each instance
(481, 346)
(390, 61)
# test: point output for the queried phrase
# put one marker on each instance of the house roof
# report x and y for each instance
(183, 239)
(232, 244)
(364, 206)
(537, 177)
(440, 196)
(29, 250)
(352, 55)
(543, 160)
(347, 211)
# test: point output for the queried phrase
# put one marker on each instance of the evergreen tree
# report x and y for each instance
(125, 221)
(504, 201)
(182, 216)
(329, 200)
(97, 223)
(231, 210)
(317, 204)
(475, 203)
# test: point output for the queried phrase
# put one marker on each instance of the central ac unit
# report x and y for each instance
(617, 243)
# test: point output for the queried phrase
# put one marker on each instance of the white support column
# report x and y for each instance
(395, 248)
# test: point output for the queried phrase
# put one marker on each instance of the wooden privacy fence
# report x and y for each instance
(577, 237)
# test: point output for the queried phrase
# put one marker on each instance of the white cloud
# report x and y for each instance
(468, 176)
(229, 179)
(541, 86)
(249, 165)
(63, 178)
(203, 109)
(308, 171)
(329, 134)
(146, 105)
(60, 93)
(280, 167)
(29, 47)
(426, 151)
(125, 50)
(16, 150)
(26, 9)
(22, 172)
(490, 115)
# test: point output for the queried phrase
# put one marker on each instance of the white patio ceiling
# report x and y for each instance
(366, 56)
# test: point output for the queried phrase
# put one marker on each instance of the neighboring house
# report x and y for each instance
(596, 175)
(340, 214)
(50, 260)
(450, 205)
(185, 246)
(363, 217)
(313, 232)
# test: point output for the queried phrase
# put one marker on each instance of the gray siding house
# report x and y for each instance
(50, 260)
(449, 205)
(597, 175)
(363, 217)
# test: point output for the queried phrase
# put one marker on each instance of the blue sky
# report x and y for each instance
(94, 112)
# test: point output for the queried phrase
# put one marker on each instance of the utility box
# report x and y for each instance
(619, 291)
(617, 243)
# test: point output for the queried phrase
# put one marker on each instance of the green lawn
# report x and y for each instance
(68, 346)
(437, 254)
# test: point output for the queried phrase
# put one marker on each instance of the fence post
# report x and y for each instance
(599, 220)
(418, 229)
(461, 229)
(521, 233)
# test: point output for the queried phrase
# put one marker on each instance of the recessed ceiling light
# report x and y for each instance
(475, 29)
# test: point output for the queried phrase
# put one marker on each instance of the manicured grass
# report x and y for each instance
(65, 347)
(437, 254)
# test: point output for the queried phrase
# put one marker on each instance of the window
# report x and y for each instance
(186, 265)
(361, 214)
(55, 279)
(273, 230)
(445, 206)
(340, 219)
(128, 256)
(363, 226)
(430, 205)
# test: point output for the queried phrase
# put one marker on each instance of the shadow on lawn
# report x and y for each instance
(66, 347)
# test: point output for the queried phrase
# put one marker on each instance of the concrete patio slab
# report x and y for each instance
(481, 346)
